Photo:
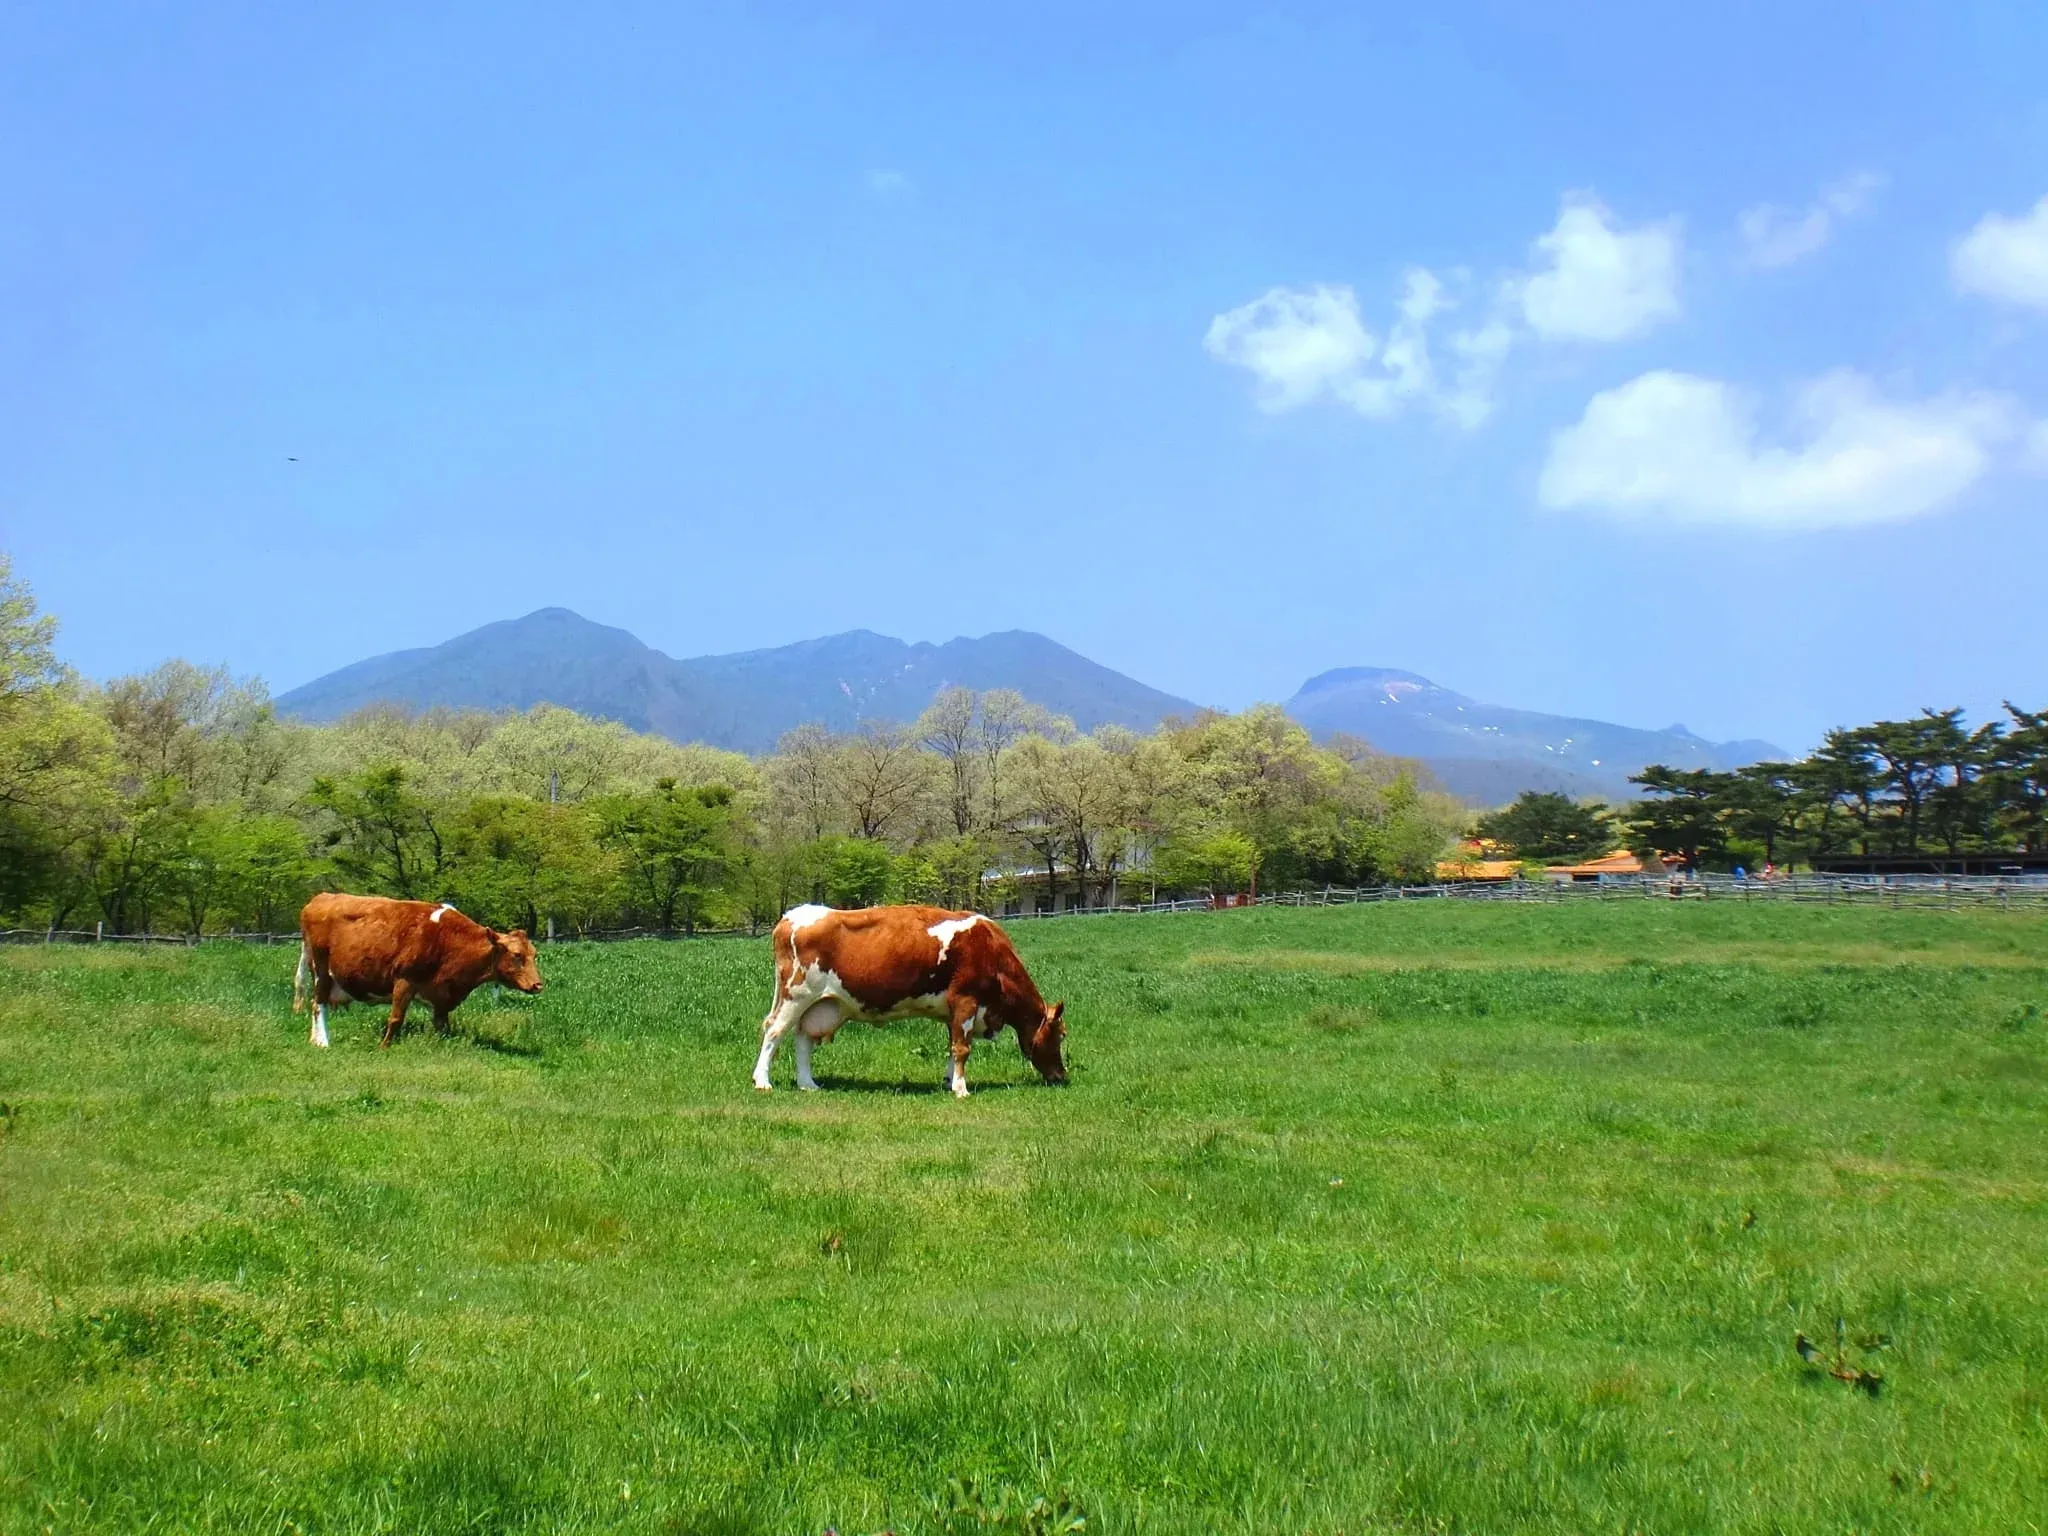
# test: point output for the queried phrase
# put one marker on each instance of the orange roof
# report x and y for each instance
(1478, 869)
(1619, 862)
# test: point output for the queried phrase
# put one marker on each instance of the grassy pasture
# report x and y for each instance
(1422, 1218)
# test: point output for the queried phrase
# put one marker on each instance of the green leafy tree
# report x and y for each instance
(1409, 838)
(1914, 759)
(1549, 826)
(676, 846)
(1838, 788)
(384, 838)
(1683, 812)
(2017, 779)
(274, 872)
(55, 763)
(1763, 806)
(519, 862)
(202, 866)
(1219, 862)
(858, 872)
(945, 872)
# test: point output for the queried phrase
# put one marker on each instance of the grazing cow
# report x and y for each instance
(886, 963)
(373, 950)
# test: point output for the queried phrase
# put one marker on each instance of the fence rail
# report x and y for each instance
(2002, 891)
(1954, 892)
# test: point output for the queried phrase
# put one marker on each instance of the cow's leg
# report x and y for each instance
(960, 1025)
(442, 1023)
(773, 1028)
(323, 994)
(401, 999)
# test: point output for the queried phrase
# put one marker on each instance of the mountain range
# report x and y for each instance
(745, 702)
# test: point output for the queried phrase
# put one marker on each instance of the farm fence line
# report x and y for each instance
(1953, 892)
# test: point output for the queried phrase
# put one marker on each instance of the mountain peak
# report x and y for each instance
(1379, 677)
(1488, 754)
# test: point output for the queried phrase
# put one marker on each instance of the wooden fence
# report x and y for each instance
(1952, 892)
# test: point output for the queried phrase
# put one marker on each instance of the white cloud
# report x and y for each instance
(884, 182)
(2005, 259)
(1303, 344)
(1598, 281)
(1680, 448)
(1775, 237)
(1298, 342)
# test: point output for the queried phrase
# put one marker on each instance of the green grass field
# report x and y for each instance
(1418, 1218)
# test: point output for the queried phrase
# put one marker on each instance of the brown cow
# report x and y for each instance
(374, 950)
(886, 963)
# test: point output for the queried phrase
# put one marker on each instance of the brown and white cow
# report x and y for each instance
(884, 963)
(374, 950)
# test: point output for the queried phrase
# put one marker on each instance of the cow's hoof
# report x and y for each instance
(807, 1087)
(764, 1088)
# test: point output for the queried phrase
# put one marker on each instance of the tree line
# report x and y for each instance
(1921, 786)
(178, 801)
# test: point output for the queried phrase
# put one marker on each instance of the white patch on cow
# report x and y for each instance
(800, 918)
(983, 1026)
(945, 931)
(804, 1080)
(319, 1035)
(957, 1079)
(435, 915)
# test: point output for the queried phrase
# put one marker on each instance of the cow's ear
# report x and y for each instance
(518, 933)
(1058, 1009)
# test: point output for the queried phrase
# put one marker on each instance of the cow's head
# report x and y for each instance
(1042, 1041)
(513, 963)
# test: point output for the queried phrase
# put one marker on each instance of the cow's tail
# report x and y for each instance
(299, 981)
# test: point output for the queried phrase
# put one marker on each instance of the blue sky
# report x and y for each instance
(1660, 362)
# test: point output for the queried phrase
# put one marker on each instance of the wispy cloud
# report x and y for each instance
(1306, 344)
(885, 181)
(2005, 259)
(1776, 237)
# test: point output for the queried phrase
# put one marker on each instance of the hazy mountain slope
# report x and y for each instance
(743, 701)
(1487, 753)
(1482, 753)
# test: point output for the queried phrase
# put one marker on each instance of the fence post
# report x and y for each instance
(99, 931)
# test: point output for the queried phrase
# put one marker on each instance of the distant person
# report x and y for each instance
(1739, 873)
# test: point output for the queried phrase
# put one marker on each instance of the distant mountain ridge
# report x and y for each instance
(743, 702)
(1483, 753)
(1486, 753)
